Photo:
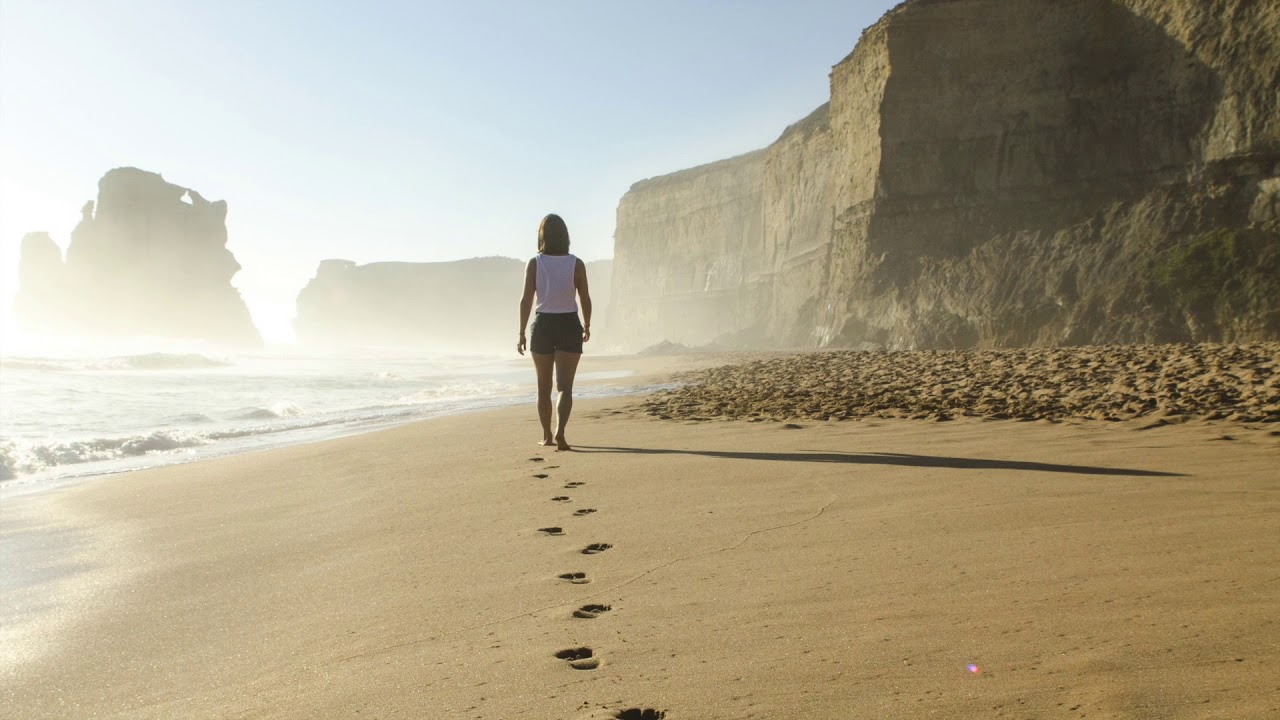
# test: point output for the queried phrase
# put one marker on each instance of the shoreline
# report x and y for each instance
(26, 485)
(608, 376)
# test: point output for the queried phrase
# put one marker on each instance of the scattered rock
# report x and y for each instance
(1169, 383)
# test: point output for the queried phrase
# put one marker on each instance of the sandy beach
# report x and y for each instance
(877, 568)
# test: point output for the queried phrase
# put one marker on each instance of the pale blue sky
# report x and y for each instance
(393, 130)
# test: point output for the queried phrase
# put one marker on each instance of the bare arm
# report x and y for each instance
(526, 301)
(584, 297)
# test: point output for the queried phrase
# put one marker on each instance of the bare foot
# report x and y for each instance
(561, 444)
(547, 441)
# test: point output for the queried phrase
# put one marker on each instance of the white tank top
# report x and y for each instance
(555, 289)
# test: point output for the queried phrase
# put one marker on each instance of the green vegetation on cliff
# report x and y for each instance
(1224, 282)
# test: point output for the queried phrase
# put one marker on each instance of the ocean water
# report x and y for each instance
(67, 416)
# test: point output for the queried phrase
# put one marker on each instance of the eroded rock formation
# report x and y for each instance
(988, 174)
(149, 259)
(462, 305)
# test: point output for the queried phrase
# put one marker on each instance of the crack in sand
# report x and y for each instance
(528, 613)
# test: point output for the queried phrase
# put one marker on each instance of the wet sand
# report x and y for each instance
(887, 568)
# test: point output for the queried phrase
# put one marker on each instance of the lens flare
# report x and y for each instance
(974, 669)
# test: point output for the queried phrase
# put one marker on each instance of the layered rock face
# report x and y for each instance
(989, 174)
(463, 305)
(684, 248)
(149, 259)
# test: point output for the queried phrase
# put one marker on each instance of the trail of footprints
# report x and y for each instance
(585, 658)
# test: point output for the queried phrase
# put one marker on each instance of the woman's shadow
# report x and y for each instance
(933, 461)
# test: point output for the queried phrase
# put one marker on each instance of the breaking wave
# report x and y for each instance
(188, 419)
(148, 361)
(20, 457)
(165, 361)
(278, 410)
(457, 392)
(24, 459)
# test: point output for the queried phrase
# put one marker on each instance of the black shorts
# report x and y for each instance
(556, 331)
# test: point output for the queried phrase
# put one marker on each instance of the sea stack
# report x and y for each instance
(459, 305)
(147, 260)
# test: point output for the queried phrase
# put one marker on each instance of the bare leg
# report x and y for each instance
(566, 368)
(542, 364)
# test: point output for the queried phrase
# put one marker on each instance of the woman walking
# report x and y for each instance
(553, 278)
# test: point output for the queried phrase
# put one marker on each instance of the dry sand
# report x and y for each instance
(883, 568)
(1116, 382)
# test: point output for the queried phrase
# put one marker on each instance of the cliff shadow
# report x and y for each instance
(874, 458)
(1011, 115)
(1009, 130)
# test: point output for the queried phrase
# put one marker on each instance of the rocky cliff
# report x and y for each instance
(465, 305)
(989, 173)
(149, 259)
(684, 248)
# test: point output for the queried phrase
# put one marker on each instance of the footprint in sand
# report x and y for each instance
(591, 612)
(594, 548)
(574, 484)
(542, 476)
(640, 714)
(577, 578)
(582, 658)
(561, 498)
(584, 511)
(553, 467)
(551, 530)
(535, 459)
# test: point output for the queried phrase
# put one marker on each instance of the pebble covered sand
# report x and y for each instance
(1109, 382)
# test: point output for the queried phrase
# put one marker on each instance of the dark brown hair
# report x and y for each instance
(553, 236)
